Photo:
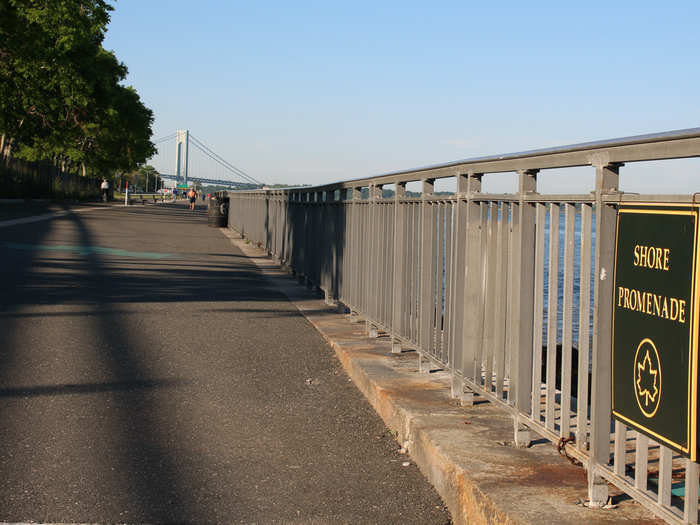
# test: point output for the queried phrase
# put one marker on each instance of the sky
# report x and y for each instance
(318, 92)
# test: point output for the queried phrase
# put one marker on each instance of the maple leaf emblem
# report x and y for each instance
(647, 380)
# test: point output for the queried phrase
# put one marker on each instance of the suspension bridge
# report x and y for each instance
(184, 158)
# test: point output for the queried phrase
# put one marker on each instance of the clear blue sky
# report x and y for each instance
(314, 92)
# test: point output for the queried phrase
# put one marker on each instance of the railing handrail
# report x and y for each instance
(652, 146)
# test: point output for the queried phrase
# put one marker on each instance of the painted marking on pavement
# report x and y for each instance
(86, 250)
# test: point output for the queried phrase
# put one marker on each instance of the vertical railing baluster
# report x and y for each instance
(379, 246)
(374, 230)
(665, 471)
(482, 312)
(357, 247)
(417, 260)
(387, 274)
(690, 505)
(427, 270)
(552, 317)
(512, 248)
(539, 310)
(399, 280)
(367, 266)
(641, 461)
(331, 248)
(380, 226)
(620, 451)
(289, 225)
(438, 275)
(501, 284)
(410, 269)
(319, 234)
(490, 296)
(458, 295)
(567, 320)
(584, 327)
(448, 323)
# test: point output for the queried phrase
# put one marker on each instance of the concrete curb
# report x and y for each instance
(463, 451)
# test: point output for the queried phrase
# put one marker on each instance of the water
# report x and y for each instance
(577, 275)
(560, 279)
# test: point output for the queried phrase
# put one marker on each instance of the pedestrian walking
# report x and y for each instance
(104, 187)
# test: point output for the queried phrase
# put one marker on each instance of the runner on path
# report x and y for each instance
(193, 197)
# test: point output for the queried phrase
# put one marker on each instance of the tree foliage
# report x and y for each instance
(145, 178)
(61, 93)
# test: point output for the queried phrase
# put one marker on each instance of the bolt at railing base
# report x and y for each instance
(521, 434)
(372, 330)
(457, 387)
(467, 399)
(341, 308)
(597, 491)
(328, 298)
(355, 318)
(423, 364)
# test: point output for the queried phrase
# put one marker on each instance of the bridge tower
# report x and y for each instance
(182, 146)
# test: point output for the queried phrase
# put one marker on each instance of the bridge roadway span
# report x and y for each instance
(148, 373)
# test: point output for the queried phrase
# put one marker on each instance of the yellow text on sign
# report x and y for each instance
(651, 257)
(650, 303)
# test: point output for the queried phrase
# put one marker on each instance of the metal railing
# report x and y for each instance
(512, 293)
(33, 180)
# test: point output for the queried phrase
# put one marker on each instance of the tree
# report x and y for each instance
(61, 97)
(150, 174)
(44, 61)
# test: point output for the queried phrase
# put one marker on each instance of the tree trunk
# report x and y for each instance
(6, 147)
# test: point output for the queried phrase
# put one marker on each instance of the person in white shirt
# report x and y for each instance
(105, 189)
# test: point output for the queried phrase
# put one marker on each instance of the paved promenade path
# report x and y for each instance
(148, 373)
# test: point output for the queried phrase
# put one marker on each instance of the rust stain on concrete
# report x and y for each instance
(548, 475)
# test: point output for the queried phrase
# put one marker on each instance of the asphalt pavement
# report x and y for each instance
(150, 374)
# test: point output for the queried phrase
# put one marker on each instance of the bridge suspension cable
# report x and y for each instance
(219, 159)
(173, 161)
(165, 139)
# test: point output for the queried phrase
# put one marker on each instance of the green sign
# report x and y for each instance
(654, 347)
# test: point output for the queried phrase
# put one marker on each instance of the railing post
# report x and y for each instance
(607, 181)
(356, 260)
(292, 214)
(460, 236)
(372, 297)
(284, 227)
(330, 238)
(399, 266)
(472, 317)
(267, 234)
(302, 245)
(523, 298)
(427, 271)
